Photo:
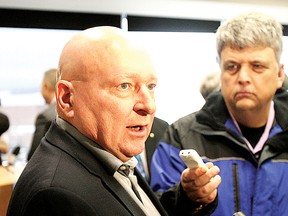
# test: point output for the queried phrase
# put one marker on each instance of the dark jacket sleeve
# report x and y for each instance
(177, 203)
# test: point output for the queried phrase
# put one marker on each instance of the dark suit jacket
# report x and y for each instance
(64, 178)
(42, 124)
(158, 128)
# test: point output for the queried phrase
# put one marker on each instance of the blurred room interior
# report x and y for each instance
(178, 33)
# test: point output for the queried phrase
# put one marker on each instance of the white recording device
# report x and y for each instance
(191, 158)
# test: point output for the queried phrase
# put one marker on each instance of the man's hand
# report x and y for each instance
(200, 184)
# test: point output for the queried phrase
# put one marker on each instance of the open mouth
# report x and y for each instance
(136, 128)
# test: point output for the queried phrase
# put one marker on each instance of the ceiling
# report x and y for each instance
(188, 9)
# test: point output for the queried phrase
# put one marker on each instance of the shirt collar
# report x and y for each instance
(110, 162)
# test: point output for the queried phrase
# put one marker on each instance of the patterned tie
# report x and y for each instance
(124, 170)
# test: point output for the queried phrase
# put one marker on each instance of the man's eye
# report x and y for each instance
(258, 67)
(151, 86)
(231, 68)
(124, 86)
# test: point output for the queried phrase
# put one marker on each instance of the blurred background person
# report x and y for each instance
(4, 126)
(45, 118)
(209, 84)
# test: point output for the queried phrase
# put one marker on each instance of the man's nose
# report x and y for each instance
(145, 102)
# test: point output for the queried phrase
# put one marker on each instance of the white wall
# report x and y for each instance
(181, 60)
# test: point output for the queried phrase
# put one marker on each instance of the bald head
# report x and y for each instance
(106, 89)
(92, 49)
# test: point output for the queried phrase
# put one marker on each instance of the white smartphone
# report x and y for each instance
(191, 158)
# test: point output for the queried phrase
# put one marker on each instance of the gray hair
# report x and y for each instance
(210, 84)
(248, 31)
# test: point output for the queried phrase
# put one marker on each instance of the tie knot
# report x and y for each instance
(124, 169)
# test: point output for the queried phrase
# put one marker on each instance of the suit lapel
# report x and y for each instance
(123, 196)
(146, 188)
(76, 150)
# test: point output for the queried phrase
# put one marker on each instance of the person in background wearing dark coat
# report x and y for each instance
(105, 108)
(45, 118)
(4, 126)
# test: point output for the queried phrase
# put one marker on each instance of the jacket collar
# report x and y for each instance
(65, 142)
(215, 114)
(58, 137)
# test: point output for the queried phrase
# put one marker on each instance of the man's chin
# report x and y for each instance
(245, 107)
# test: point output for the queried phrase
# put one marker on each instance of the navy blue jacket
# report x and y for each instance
(255, 187)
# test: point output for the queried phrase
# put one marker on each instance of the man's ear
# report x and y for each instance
(281, 76)
(65, 98)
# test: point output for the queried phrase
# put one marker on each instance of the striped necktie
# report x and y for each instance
(124, 170)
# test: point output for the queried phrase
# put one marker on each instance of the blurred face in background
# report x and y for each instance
(45, 91)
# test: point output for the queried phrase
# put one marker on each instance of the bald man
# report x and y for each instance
(85, 164)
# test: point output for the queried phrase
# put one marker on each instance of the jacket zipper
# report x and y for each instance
(237, 207)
